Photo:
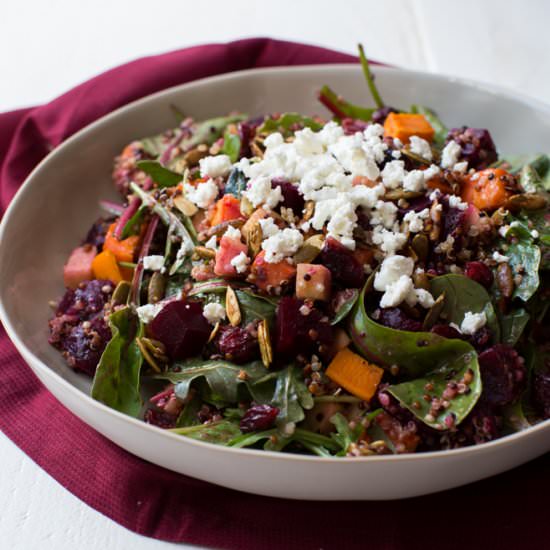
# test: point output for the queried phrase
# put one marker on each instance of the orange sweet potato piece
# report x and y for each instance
(487, 189)
(104, 266)
(124, 250)
(405, 125)
(226, 209)
(355, 374)
(264, 274)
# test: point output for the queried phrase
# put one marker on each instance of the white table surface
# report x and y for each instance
(47, 47)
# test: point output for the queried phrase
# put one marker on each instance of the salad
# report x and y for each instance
(367, 282)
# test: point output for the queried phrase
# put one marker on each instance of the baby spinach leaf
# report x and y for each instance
(463, 295)
(410, 394)
(512, 325)
(236, 183)
(116, 380)
(231, 145)
(255, 307)
(219, 433)
(441, 130)
(291, 397)
(345, 305)
(416, 353)
(160, 175)
(288, 123)
(222, 377)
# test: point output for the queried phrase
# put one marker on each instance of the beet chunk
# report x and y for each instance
(381, 114)
(447, 331)
(291, 196)
(345, 268)
(394, 317)
(237, 344)
(87, 300)
(480, 273)
(160, 419)
(182, 328)
(299, 328)
(258, 417)
(96, 234)
(477, 146)
(503, 375)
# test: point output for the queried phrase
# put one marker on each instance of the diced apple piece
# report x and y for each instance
(229, 249)
(313, 282)
(79, 266)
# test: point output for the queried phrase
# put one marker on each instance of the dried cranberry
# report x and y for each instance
(258, 418)
(503, 375)
(96, 234)
(379, 116)
(353, 125)
(246, 132)
(394, 317)
(541, 393)
(447, 331)
(480, 273)
(476, 144)
(182, 328)
(291, 196)
(160, 418)
(345, 268)
(237, 344)
(481, 339)
(299, 328)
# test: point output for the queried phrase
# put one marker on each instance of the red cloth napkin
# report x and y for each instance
(510, 509)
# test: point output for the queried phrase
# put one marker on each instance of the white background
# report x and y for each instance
(46, 47)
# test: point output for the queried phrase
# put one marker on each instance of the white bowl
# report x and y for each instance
(58, 202)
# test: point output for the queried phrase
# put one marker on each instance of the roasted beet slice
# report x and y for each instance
(447, 331)
(258, 417)
(87, 300)
(182, 328)
(291, 196)
(394, 317)
(476, 144)
(300, 328)
(503, 375)
(237, 344)
(345, 268)
(480, 273)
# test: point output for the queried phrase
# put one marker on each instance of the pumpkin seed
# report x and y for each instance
(257, 147)
(214, 332)
(221, 228)
(310, 249)
(156, 287)
(232, 307)
(527, 201)
(434, 312)
(204, 253)
(396, 194)
(185, 206)
(253, 239)
(246, 207)
(421, 246)
(121, 293)
(499, 216)
(193, 156)
(421, 280)
(505, 279)
(309, 209)
(417, 158)
(264, 341)
(435, 215)
(145, 350)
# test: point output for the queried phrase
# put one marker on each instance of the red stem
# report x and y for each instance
(128, 212)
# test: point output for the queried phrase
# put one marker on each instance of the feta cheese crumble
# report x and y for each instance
(500, 258)
(240, 262)
(148, 312)
(153, 263)
(212, 243)
(219, 165)
(456, 202)
(232, 233)
(260, 192)
(213, 312)
(414, 181)
(472, 322)
(415, 220)
(393, 174)
(281, 245)
(450, 154)
(420, 147)
(269, 227)
(203, 195)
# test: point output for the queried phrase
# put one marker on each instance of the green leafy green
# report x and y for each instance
(231, 145)
(255, 307)
(345, 435)
(514, 417)
(133, 225)
(416, 353)
(512, 325)
(463, 295)
(160, 175)
(219, 433)
(410, 394)
(345, 306)
(291, 397)
(539, 162)
(236, 183)
(369, 77)
(188, 415)
(116, 380)
(441, 130)
(287, 123)
(342, 108)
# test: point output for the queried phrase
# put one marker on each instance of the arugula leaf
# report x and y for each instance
(342, 108)
(416, 353)
(512, 325)
(410, 394)
(291, 397)
(463, 295)
(249, 439)
(256, 307)
(236, 183)
(160, 175)
(441, 130)
(116, 380)
(345, 435)
(287, 123)
(231, 145)
(133, 224)
(219, 433)
(222, 378)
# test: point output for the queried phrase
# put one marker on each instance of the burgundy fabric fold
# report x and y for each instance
(509, 509)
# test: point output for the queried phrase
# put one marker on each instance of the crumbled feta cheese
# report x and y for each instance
(240, 262)
(415, 220)
(431, 172)
(535, 234)
(153, 263)
(341, 225)
(307, 142)
(472, 322)
(456, 202)
(388, 241)
(503, 230)
(500, 258)
(282, 244)
(232, 233)
(212, 243)
(450, 154)
(396, 154)
(461, 167)
(220, 165)
(391, 269)
(435, 194)
(203, 195)
(397, 292)
(393, 174)
(420, 147)
(213, 312)
(424, 298)
(273, 140)
(414, 181)
(384, 213)
(269, 227)
(260, 192)
(148, 312)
